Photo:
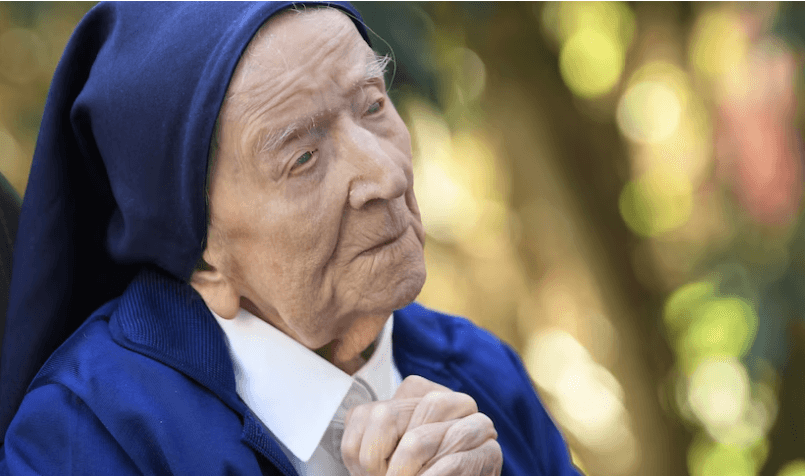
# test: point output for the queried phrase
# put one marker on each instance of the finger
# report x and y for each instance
(467, 434)
(442, 406)
(372, 431)
(381, 436)
(416, 448)
(354, 427)
(485, 460)
(416, 386)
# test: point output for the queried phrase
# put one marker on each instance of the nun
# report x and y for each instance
(218, 252)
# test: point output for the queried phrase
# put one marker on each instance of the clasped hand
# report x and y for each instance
(424, 430)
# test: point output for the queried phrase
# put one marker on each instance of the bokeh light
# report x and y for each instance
(590, 399)
(718, 392)
(659, 201)
(713, 459)
(794, 468)
(449, 210)
(681, 304)
(562, 20)
(719, 43)
(649, 112)
(469, 73)
(720, 327)
(591, 63)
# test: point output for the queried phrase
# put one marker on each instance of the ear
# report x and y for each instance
(217, 290)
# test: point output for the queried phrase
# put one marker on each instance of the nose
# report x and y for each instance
(380, 174)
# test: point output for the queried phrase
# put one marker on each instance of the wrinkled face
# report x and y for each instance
(313, 215)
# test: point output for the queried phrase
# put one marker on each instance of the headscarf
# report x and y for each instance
(120, 167)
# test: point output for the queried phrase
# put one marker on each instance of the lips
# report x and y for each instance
(384, 242)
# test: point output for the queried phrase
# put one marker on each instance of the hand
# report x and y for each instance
(425, 429)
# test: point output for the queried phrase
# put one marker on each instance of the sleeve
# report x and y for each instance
(55, 432)
(538, 426)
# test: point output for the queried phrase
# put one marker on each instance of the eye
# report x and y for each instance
(374, 108)
(302, 160)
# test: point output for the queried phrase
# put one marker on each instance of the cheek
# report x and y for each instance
(290, 247)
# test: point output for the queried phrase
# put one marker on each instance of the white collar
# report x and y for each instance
(291, 389)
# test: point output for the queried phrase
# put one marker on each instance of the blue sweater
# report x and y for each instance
(146, 386)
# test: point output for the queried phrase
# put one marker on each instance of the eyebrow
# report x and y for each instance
(376, 67)
(270, 141)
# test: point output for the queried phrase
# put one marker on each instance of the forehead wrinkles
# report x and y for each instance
(274, 66)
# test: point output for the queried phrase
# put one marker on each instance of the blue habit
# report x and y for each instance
(146, 386)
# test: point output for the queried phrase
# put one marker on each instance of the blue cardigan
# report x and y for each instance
(146, 386)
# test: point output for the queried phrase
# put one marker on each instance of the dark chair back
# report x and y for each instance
(9, 222)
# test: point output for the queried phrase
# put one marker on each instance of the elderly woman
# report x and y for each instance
(221, 213)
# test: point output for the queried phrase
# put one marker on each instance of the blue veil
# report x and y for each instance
(120, 167)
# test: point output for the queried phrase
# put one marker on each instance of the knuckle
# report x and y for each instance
(350, 445)
(410, 444)
(349, 457)
(435, 396)
(468, 401)
(494, 458)
(485, 422)
(496, 450)
(440, 399)
(355, 414)
(434, 399)
(368, 461)
(413, 380)
(482, 424)
(380, 413)
(349, 450)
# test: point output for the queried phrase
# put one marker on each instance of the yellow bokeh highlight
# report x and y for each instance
(591, 63)
(678, 311)
(447, 285)
(562, 20)
(659, 201)
(720, 327)
(794, 468)
(706, 458)
(668, 73)
(668, 124)
(468, 72)
(649, 112)
(718, 392)
(719, 43)
(460, 185)
(481, 172)
(449, 210)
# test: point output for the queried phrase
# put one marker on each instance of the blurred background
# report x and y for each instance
(615, 189)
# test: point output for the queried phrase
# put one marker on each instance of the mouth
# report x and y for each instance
(383, 244)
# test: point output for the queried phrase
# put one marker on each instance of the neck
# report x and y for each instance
(349, 366)
(342, 352)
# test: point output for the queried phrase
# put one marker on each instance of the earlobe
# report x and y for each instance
(217, 291)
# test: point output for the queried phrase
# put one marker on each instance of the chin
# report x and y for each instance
(409, 289)
(398, 292)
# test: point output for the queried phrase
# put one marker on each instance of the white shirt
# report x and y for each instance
(301, 398)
